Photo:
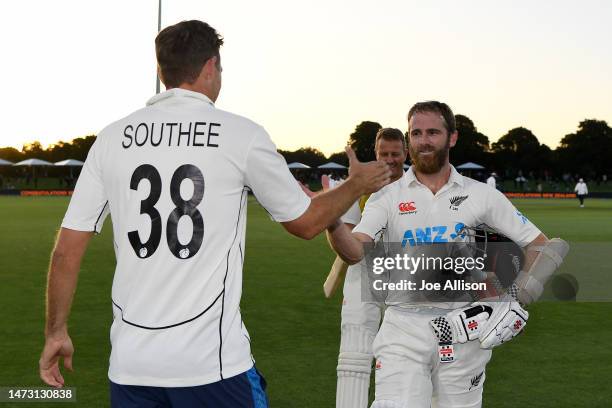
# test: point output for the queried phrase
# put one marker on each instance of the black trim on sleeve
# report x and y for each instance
(99, 215)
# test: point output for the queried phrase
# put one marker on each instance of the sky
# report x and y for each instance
(309, 72)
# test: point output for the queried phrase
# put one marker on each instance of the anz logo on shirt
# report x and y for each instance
(432, 235)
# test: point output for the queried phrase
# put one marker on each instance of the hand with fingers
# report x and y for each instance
(370, 176)
(55, 347)
(325, 184)
(307, 190)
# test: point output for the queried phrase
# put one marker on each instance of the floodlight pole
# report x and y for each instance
(158, 30)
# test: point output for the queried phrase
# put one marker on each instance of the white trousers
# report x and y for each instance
(408, 369)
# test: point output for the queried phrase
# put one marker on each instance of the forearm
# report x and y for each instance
(530, 253)
(61, 285)
(344, 243)
(325, 209)
(62, 278)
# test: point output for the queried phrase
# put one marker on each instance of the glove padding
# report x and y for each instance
(462, 325)
(507, 321)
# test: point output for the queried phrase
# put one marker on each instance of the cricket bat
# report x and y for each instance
(335, 277)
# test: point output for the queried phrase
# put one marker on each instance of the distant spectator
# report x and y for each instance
(520, 181)
(581, 191)
(491, 181)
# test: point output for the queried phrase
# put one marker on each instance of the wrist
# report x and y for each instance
(56, 332)
(356, 188)
(334, 226)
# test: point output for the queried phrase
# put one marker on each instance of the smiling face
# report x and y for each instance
(394, 154)
(429, 142)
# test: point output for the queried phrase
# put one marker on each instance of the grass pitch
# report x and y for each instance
(563, 360)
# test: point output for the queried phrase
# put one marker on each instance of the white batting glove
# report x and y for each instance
(462, 325)
(507, 321)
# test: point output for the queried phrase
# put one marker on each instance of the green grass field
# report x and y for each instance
(562, 360)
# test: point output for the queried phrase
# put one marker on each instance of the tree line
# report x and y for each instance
(587, 152)
(76, 149)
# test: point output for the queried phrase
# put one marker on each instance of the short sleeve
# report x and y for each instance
(268, 176)
(89, 203)
(353, 215)
(503, 217)
(374, 217)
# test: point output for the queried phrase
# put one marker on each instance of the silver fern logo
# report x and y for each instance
(456, 201)
(475, 380)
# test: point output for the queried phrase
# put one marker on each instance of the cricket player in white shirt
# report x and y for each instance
(361, 320)
(430, 203)
(581, 191)
(175, 177)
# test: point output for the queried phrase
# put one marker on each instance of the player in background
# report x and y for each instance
(361, 320)
(581, 191)
(175, 177)
(413, 368)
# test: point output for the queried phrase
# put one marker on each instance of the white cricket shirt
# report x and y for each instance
(175, 177)
(409, 212)
(581, 188)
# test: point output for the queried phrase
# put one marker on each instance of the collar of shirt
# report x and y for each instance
(179, 92)
(455, 177)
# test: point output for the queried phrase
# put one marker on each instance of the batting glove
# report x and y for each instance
(507, 321)
(462, 325)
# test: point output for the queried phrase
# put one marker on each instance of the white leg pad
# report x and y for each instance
(354, 367)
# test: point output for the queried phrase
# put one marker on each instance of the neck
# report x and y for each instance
(434, 181)
(195, 87)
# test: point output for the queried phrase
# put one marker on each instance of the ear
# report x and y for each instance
(453, 138)
(209, 68)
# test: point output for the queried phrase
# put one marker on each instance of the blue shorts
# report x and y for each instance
(246, 390)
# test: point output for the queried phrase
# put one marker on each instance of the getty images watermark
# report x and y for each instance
(406, 272)
(413, 264)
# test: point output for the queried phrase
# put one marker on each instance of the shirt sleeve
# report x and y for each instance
(268, 176)
(503, 217)
(88, 206)
(374, 217)
(353, 215)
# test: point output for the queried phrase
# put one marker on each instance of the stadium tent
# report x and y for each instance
(33, 163)
(70, 163)
(331, 165)
(470, 166)
(5, 163)
(298, 165)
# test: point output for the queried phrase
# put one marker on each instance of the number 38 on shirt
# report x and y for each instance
(182, 208)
